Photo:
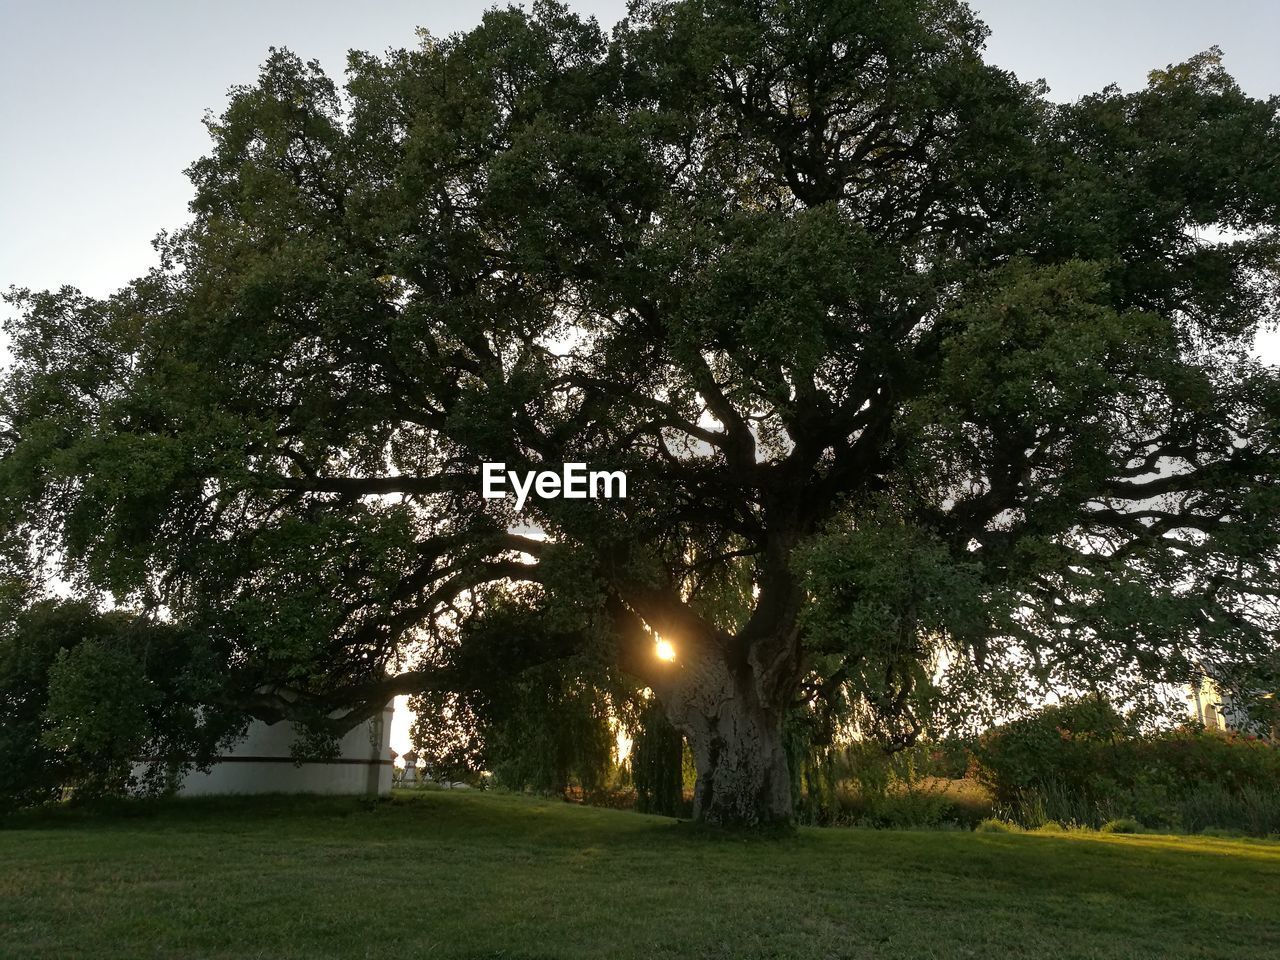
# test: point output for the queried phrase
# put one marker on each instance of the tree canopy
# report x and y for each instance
(919, 379)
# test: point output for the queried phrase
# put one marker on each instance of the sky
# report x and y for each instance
(101, 103)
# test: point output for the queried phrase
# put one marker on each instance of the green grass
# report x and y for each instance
(442, 874)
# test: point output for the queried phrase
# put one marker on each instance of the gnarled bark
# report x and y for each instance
(736, 740)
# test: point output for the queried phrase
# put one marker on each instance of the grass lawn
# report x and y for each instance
(440, 874)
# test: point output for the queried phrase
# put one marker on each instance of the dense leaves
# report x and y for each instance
(95, 703)
(657, 763)
(920, 380)
(1083, 761)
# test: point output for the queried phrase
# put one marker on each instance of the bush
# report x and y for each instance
(1078, 744)
(992, 825)
(1195, 758)
(84, 694)
(910, 805)
(859, 784)
(1077, 764)
(1083, 763)
(1261, 810)
(1122, 825)
(1223, 833)
(970, 803)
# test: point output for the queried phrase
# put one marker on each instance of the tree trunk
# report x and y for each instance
(736, 740)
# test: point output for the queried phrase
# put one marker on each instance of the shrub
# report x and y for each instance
(911, 805)
(1261, 810)
(992, 825)
(859, 784)
(1194, 758)
(1081, 744)
(969, 803)
(85, 693)
(1083, 763)
(1122, 825)
(1210, 807)
(1060, 803)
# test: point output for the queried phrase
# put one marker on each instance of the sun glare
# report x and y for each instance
(665, 650)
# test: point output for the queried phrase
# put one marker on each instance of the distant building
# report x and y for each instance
(1218, 710)
(262, 763)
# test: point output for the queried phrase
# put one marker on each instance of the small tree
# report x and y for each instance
(87, 697)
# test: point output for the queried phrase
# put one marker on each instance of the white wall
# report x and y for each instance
(261, 763)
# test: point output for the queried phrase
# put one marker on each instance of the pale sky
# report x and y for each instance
(100, 103)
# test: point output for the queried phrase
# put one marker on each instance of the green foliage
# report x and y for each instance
(98, 711)
(1122, 825)
(546, 730)
(546, 727)
(86, 696)
(885, 597)
(1204, 758)
(657, 763)
(860, 784)
(449, 736)
(992, 825)
(556, 732)
(889, 344)
(1080, 743)
(29, 769)
(1056, 803)
(1084, 763)
(1250, 810)
(910, 806)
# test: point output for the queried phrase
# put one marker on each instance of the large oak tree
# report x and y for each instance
(913, 373)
